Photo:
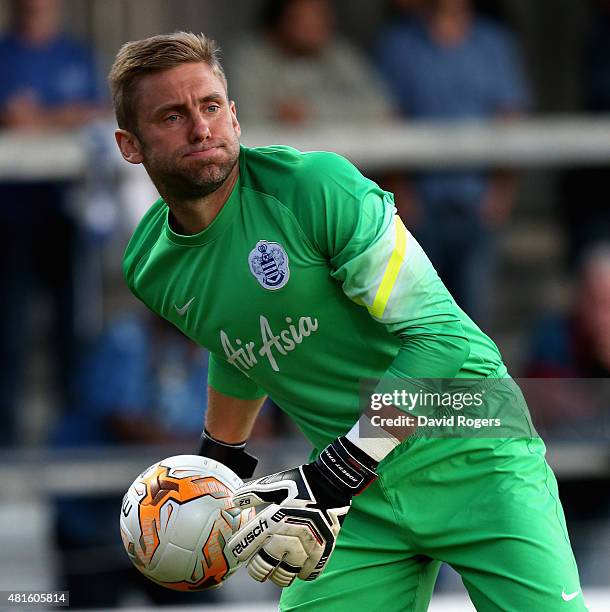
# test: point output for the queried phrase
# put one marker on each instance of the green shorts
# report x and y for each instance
(487, 507)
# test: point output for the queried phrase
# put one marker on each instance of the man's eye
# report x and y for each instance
(172, 118)
(213, 108)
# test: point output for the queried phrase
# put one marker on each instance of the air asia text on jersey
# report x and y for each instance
(244, 356)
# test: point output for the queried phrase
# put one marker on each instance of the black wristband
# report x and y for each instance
(234, 456)
(346, 466)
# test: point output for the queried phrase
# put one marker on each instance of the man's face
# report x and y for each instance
(307, 26)
(187, 131)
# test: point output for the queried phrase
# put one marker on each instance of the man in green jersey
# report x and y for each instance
(298, 276)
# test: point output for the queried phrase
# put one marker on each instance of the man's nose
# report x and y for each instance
(200, 128)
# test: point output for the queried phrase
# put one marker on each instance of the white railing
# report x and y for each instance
(536, 142)
(29, 474)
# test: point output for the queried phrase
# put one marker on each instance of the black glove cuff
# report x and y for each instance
(234, 456)
(346, 466)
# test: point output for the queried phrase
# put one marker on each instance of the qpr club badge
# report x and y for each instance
(269, 264)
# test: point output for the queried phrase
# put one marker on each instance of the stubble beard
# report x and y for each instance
(182, 181)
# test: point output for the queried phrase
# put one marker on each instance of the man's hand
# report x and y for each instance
(296, 533)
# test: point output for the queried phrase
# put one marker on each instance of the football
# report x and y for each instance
(176, 518)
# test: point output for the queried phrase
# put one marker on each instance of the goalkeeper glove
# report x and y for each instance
(234, 456)
(295, 535)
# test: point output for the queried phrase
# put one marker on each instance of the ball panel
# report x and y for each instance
(217, 565)
(173, 566)
(202, 512)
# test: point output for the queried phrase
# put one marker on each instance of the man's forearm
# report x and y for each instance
(228, 425)
(230, 419)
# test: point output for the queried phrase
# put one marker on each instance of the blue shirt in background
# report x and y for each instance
(133, 372)
(477, 79)
(59, 72)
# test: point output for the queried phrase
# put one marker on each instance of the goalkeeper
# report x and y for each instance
(298, 276)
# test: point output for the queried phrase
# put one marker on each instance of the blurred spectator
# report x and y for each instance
(298, 71)
(47, 81)
(567, 350)
(577, 344)
(444, 62)
(583, 206)
(143, 382)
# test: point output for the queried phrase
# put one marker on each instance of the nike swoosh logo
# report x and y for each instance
(182, 311)
(569, 596)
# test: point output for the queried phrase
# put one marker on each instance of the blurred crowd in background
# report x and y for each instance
(132, 379)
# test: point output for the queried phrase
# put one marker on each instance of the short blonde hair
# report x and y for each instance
(140, 57)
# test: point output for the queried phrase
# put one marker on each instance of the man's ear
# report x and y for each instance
(234, 120)
(129, 145)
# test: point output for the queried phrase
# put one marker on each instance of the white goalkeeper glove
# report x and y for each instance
(295, 535)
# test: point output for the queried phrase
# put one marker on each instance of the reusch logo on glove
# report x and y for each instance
(250, 537)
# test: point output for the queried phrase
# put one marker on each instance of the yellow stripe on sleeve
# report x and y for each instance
(391, 272)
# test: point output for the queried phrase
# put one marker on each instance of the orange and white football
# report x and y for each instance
(176, 519)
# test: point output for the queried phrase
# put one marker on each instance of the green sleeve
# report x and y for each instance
(230, 381)
(382, 267)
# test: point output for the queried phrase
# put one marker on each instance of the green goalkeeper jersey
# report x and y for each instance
(305, 284)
